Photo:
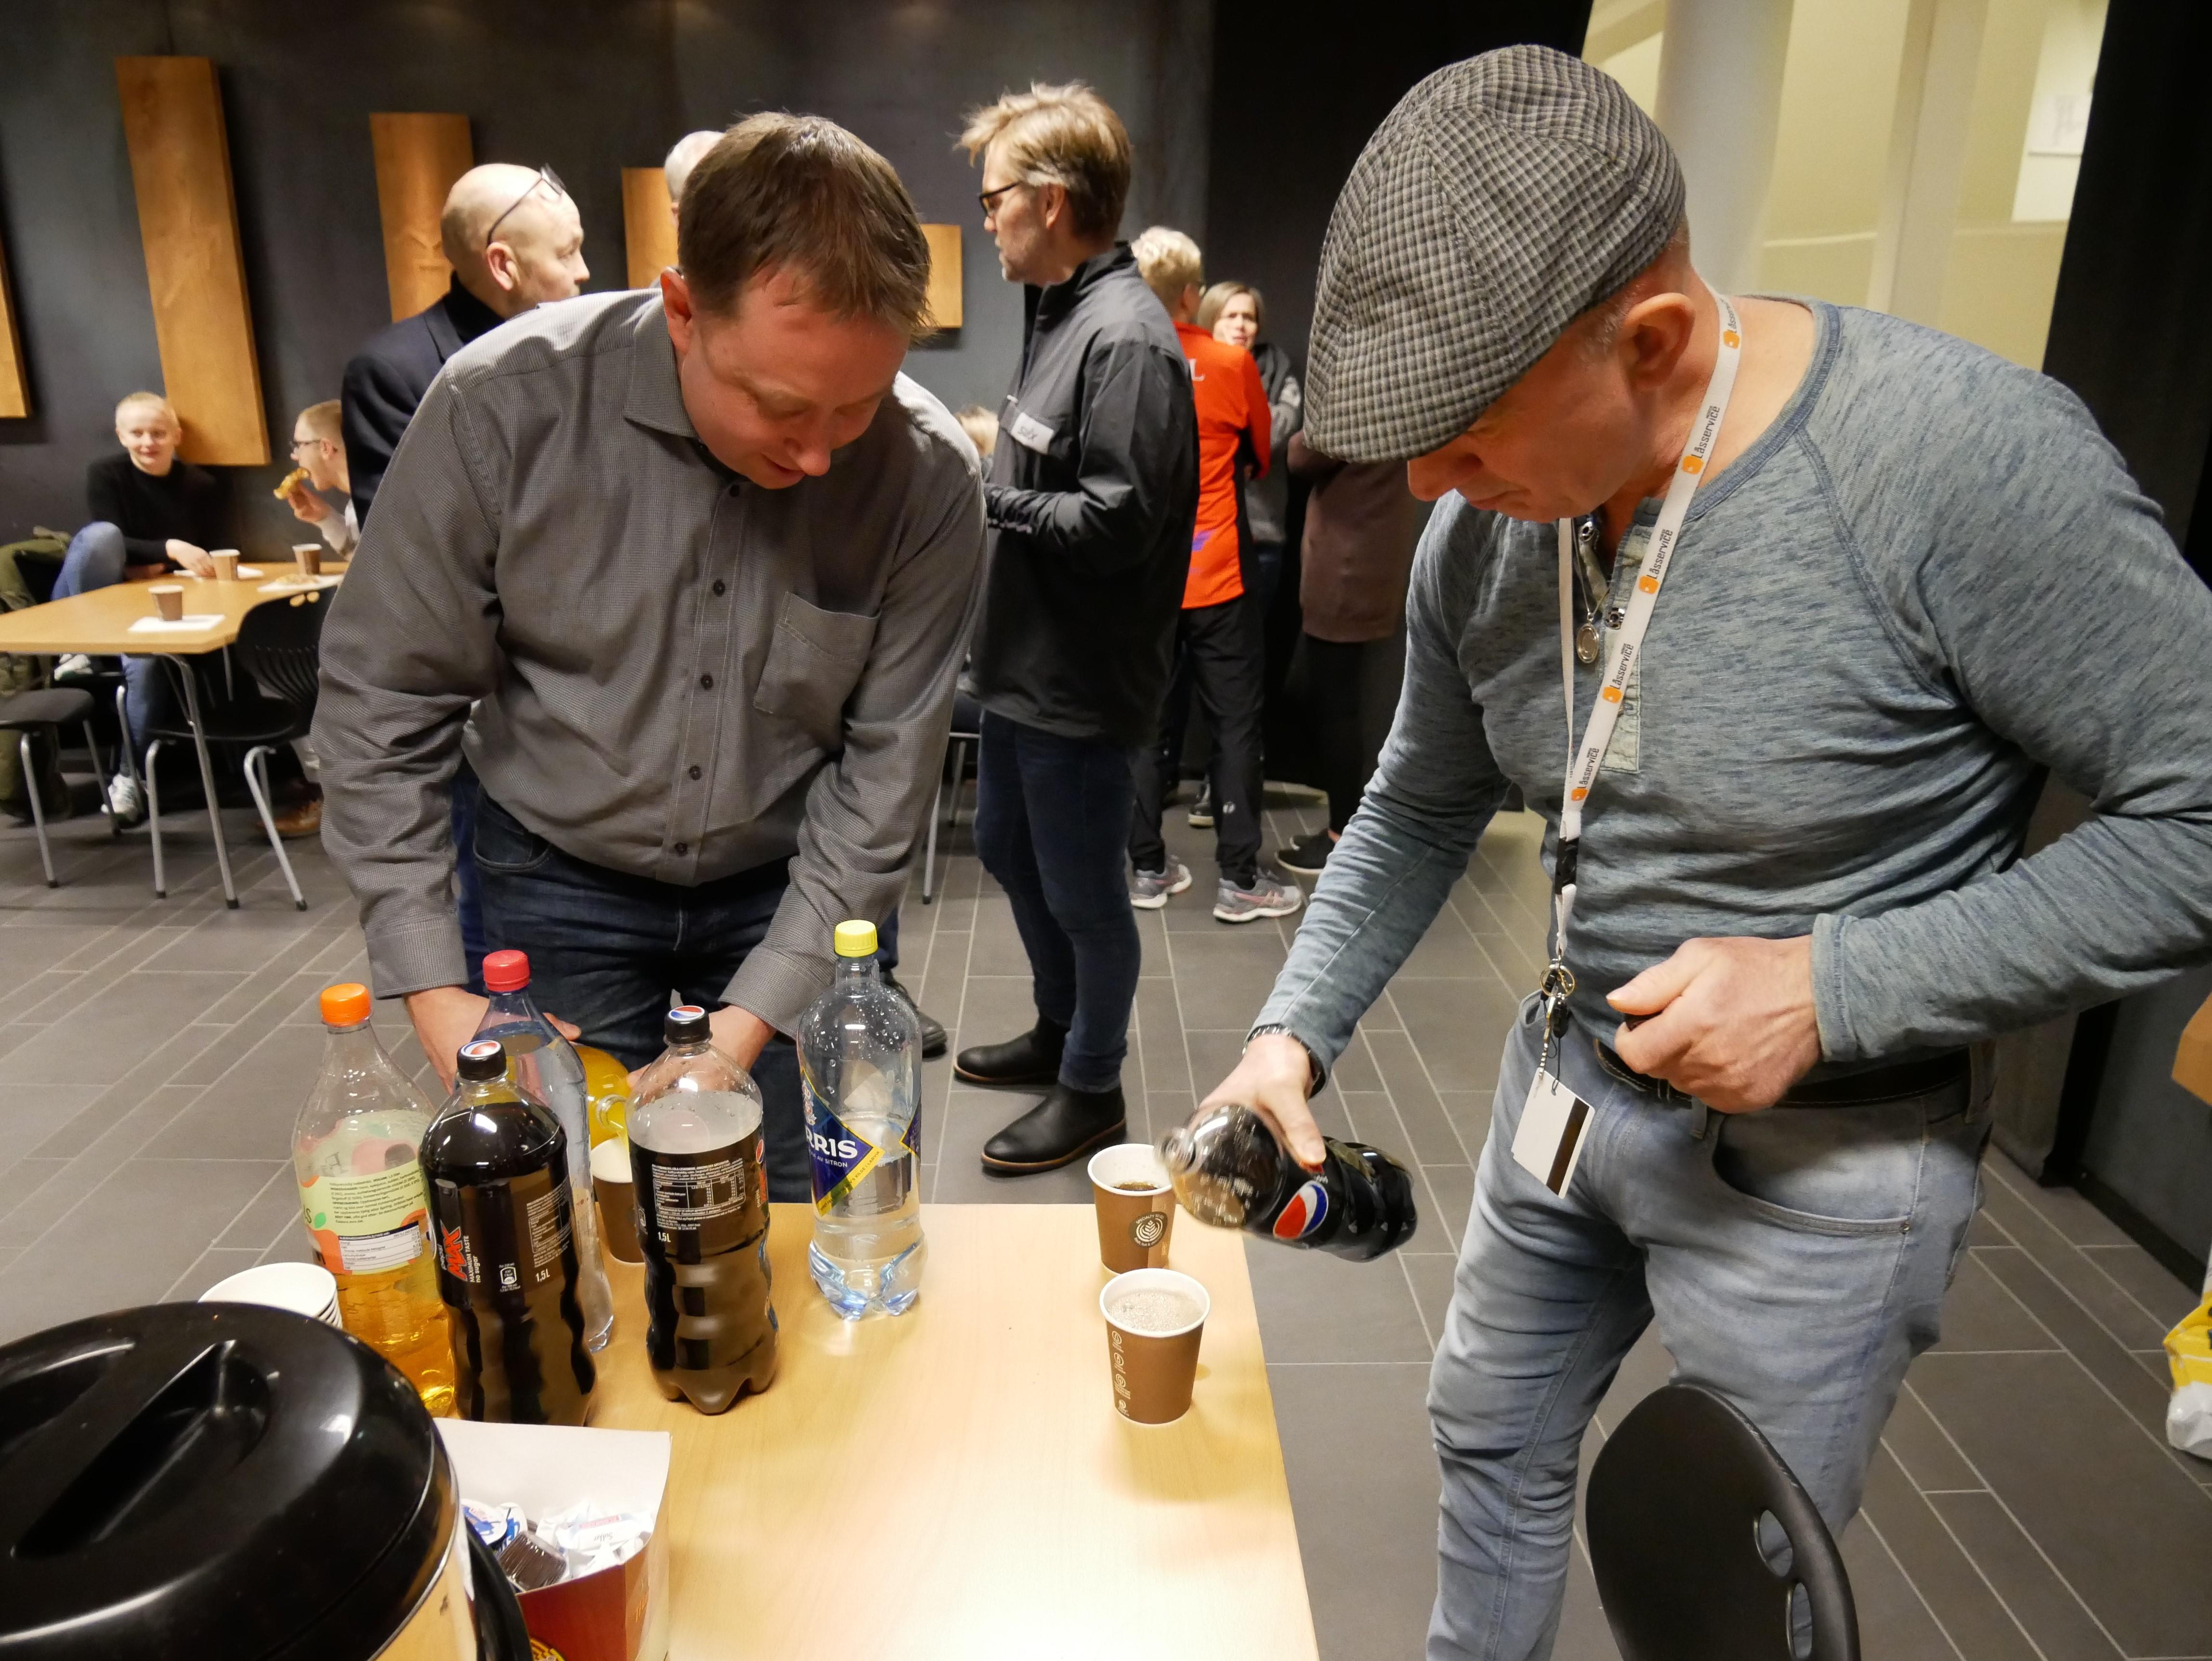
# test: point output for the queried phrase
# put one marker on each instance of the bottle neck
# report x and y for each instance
(850, 969)
(515, 1005)
(352, 1046)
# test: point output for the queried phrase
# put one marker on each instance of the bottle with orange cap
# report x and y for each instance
(354, 1151)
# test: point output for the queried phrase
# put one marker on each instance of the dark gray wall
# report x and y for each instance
(587, 86)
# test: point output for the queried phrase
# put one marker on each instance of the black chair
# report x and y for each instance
(1677, 1500)
(29, 714)
(967, 729)
(279, 646)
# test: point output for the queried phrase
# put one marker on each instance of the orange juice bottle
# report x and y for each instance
(606, 1094)
(355, 1154)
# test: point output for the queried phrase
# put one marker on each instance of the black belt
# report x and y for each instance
(1892, 1083)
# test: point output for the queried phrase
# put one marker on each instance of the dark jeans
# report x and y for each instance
(1218, 661)
(1052, 817)
(606, 949)
(1351, 693)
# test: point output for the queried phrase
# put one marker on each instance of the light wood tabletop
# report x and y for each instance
(99, 623)
(955, 1482)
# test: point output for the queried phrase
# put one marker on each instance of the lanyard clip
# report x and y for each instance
(1566, 862)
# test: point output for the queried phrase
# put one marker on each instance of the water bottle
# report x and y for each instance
(860, 1055)
(546, 1065)
(701, 1183)
(1229, 1171)
(496, 1160)
(355, 1154)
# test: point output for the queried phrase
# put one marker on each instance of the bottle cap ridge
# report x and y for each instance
(481, 1059)
(345, 1004)
(685, 1024)
(506, 971)
(856, 940)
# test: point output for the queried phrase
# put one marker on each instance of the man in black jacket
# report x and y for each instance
(514, 240)
(1090, 498)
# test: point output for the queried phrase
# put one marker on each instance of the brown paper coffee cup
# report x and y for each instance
(1154, 1360)
(169, 600)
(1134, 1224)
(308, 555)
(612, 1186)
(226, 563)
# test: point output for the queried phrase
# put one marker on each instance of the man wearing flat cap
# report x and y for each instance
(1826, 595)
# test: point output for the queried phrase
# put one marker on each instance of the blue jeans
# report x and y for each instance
(95, 559)
(606, 949)
(1052, 821)
(1796, 1261)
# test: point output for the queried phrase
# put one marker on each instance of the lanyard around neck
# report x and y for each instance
(1583, 760)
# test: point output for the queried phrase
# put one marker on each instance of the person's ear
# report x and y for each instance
(1051, 204)
(676, 301)
(501, 267)
(1653, 337)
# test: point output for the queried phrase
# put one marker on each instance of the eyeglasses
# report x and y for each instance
(300, 444)
(990, 198)
(545, 176)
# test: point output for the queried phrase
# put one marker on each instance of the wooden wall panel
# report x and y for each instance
(418, 157)
(188, 221)
(15, 381)
(648, 225)
(944, 289)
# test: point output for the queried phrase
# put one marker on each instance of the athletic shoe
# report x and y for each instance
(73, 666)
(1201, 810)
(1308, 854)
(1149, 889)
(124, 799)
(1268, 896)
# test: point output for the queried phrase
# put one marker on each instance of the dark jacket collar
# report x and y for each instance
(1047, 306)
(457, 319)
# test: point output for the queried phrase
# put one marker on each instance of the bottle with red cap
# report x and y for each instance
(361, 1194)
(547, 1066)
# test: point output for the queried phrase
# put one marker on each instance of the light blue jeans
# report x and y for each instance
(95, 560)
(1796, 1261)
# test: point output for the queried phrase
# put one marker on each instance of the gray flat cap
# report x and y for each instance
(1503, 196)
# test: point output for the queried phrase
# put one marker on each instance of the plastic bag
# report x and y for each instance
(2189, 1354)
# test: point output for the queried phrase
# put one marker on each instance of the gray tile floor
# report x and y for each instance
(2023, 1503)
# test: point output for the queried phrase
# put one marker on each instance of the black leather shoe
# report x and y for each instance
(1032, 1059)
(933, 1030)
(1059, 1130)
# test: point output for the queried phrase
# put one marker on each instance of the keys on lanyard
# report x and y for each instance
(1552, 1120)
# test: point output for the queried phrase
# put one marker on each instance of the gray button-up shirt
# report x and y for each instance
(678, 674)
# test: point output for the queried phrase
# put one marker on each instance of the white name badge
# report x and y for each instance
(1031, 432)
(1549, 1143)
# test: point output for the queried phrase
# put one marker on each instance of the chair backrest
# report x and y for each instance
(280, 645)
(1674, 1511)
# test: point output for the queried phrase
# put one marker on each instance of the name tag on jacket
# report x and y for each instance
(1031, 432)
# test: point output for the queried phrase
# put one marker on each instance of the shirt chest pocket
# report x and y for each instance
(813, 663)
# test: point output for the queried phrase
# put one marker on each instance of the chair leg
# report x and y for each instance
(153, 815)
(38, 807)
(929, 848)
(129, 746)
(100, 777)
(256, 781)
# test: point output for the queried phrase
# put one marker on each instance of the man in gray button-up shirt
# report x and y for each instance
(703, 562)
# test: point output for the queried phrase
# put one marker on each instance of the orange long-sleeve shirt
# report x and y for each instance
(1232, 409)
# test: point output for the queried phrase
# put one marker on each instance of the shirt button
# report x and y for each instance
(682, 847)
(696, 772)
(707, 681)
(720, 586)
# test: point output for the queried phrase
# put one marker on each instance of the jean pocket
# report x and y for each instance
(1834, 1171)
(503, 845)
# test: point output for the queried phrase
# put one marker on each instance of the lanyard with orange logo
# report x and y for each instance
(1584, 760)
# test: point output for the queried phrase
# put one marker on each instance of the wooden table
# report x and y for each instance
(98, 624)
(955, 1482)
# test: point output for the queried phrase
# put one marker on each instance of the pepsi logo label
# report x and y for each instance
(1308, 1209)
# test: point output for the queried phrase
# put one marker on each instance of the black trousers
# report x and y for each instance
(1217, 662)
(1350, 692)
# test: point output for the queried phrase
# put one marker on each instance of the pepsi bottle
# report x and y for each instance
(1229, 1169)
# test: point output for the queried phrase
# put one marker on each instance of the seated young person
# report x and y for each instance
(318, 457)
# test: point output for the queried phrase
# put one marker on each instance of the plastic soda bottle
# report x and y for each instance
(497, 1162)
(698, 1164)
(361, 1193)
(1229, 1169)
(546, 1066)
(859, 1057)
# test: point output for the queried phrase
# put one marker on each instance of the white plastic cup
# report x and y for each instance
(307, 1289)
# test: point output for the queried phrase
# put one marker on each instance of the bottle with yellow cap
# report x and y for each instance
(860, 1058)
(354, 1152)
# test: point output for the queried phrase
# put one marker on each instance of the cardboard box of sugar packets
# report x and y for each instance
(619, 1613)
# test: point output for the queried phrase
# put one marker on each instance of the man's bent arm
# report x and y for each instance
(1112, 519)
(411, 639)
(1433, 791)
(864, 809)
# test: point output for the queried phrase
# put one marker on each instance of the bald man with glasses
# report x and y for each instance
(515, 240)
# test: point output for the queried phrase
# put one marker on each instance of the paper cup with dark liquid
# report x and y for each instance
(616, 1193)
(308, 556)
(169, 600)
(1135, 1203)
(1155, 1318)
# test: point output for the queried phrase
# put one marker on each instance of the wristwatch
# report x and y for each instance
(1316, 1074)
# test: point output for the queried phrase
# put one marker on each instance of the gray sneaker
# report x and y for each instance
(1269, 896)
(1149, 889)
